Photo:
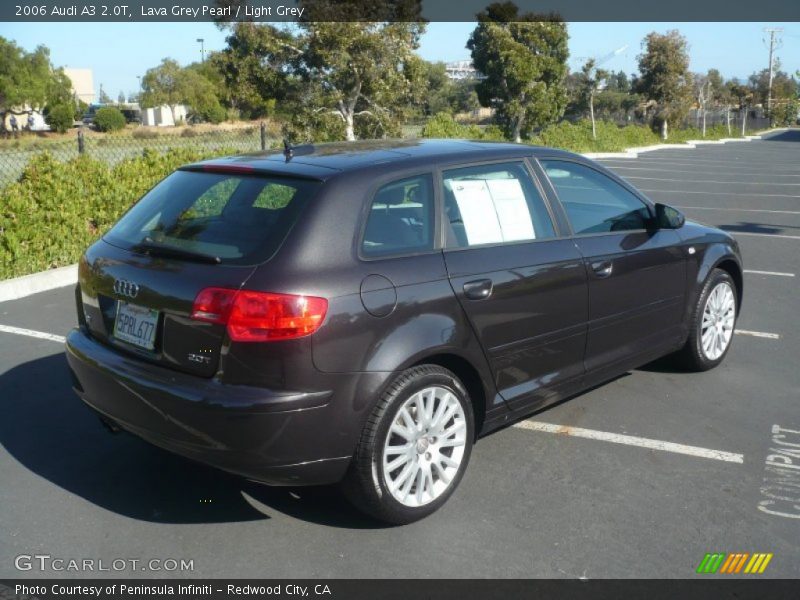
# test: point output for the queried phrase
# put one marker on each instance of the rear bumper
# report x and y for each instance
(280, 438)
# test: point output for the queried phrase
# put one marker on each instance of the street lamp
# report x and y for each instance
(202, 50)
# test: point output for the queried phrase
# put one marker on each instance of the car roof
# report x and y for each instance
(323, 161)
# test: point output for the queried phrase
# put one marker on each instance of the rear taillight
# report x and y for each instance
(260, 316)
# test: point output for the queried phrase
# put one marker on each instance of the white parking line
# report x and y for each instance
(748, 194)
(770, 235)
(756, 210)
(654, 160)
(760, 334)
(630, 440)
(776, 273)
(32, 333)
(716, 181)
(716, 171)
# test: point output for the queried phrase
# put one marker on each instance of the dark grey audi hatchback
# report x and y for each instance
(360, 313)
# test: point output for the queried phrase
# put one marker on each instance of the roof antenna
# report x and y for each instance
(287, 150)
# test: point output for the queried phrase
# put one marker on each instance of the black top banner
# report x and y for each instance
(276, 11)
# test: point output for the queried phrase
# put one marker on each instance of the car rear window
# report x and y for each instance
(240, 219)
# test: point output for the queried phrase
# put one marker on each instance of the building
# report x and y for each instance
(82, 84)
(161, 116)
(461, 69)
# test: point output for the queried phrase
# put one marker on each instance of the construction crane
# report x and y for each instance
(603, 59)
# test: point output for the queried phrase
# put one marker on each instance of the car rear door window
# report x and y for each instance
(240, 219)
(400, 219)
(492, 204)
(594, 202)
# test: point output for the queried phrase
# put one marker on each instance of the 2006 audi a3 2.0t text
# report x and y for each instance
(360, 313)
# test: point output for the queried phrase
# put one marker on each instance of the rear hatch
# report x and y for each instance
(195, 230)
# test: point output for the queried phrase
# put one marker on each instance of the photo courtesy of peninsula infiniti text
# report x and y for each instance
(359, 314)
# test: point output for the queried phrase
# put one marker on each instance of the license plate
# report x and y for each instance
(136, 325)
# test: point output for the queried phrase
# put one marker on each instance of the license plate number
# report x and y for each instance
(136, 325)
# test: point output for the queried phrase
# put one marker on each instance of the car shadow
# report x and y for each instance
(48, 430)
(792, 135)
(749, 227)
(665, 364)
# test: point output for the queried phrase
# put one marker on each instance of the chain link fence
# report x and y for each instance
(16, 152)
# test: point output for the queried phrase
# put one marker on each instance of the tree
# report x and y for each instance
(784, 86)
(440, 89)
(464, 98)
(256, 68)
(121, 97)
(664, 76)
(28, 79)
(702, 87)
(164, 84)
(618, 82)
(365, 72)
(720, 95)
(743, 96)
(524, 60)
(172, 85)
(104, 97)
(200, 96)
(589, 80)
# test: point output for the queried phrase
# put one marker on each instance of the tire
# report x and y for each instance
(423, 467)
(721, 314)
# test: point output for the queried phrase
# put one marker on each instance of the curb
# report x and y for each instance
(635, 152)
(19, 287)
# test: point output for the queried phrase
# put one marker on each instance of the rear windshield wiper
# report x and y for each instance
(173, 252)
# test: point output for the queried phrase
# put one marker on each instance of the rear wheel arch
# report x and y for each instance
(468, 375)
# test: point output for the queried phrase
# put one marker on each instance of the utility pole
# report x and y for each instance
(772, 31)
(202, 50)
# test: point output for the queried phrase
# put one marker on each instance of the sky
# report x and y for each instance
(118, 52)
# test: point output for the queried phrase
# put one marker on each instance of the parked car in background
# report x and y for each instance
(360, 313)
(132, 115)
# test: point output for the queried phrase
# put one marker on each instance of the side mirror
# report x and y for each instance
(668, 217)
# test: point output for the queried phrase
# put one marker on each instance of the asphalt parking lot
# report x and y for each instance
(643, 476)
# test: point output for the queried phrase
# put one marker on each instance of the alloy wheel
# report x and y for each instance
(719, 317)
(424, 446)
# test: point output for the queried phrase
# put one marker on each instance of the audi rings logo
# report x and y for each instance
(126, 288)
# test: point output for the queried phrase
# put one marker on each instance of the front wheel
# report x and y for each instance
(414, 448)
(712, 323)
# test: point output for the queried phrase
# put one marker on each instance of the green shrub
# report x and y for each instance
(443, 125)
(60, 117)
(577, 137)
(214, 113)
(109, 118)
(57, 209)
(785, 115)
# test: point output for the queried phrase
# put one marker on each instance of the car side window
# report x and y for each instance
(400, 219)
(491, 204)
(594, 202)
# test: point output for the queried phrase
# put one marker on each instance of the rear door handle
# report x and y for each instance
(602, 268)
(480, 289)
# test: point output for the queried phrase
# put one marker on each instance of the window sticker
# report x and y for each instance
(493, 210)
(512, 209)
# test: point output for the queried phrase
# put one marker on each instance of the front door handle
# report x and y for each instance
(602, 268)
(480, 289)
